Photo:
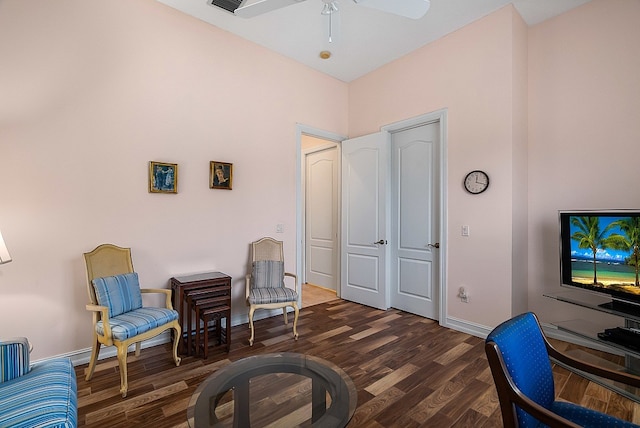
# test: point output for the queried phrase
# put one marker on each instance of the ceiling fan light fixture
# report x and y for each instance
(330, 7)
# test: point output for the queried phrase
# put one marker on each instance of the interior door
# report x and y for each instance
(414, 222)
(364, 203)
(321, 217)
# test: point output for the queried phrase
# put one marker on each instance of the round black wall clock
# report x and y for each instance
(476, 182)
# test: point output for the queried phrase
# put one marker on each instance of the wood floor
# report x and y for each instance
(409, 372)
(313, 295)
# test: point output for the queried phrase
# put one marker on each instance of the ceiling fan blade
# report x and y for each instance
(251, 8)
(414, 9)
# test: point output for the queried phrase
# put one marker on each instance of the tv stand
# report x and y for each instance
(619, 306)
(587, 330)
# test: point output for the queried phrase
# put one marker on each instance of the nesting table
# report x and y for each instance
(203, 297)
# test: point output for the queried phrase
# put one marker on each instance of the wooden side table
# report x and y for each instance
(202, 283)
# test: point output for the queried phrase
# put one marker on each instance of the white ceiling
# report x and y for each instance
(364, 38)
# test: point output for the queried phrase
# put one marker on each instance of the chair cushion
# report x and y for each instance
(45, 397)
(587, 418)
(267, 274)
(137, 321)
(14, 358)
(259, 296)
(120, 293)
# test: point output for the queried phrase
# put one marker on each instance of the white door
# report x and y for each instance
(363, 237)
(413, 242)
(321, 222)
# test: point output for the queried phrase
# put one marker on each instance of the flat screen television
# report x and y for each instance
(600, 252)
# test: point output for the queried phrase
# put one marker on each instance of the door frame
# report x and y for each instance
(300, 200)
(435, 116)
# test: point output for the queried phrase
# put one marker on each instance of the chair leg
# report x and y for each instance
(122, 362)
(284, 312)
(295, 320)
(138, 346)
(94, 358)
(176, 340)
(251, 311)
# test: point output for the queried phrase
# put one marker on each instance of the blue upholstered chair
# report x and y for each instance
(40, 395)
(119, 318)
(265, 287)
(518, 355)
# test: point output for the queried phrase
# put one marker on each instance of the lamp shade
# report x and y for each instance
(5, 257)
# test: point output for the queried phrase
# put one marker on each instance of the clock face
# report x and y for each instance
(476, 182)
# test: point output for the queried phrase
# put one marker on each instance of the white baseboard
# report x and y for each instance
(473, 329)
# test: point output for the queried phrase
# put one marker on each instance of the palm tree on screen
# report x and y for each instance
(589, 236)
(630, 227)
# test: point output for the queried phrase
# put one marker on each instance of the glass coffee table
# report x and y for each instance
(285, 389)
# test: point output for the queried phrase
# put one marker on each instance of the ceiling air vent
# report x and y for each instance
(228, 5)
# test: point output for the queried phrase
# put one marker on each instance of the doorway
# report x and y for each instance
(318, 204)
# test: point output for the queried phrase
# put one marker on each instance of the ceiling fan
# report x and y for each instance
(414, 9)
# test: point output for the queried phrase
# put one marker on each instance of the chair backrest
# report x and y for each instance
(267, 249)
(267, 263)
(521, 347)
(106, 260)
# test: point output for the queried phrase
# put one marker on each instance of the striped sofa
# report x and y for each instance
(39, 395)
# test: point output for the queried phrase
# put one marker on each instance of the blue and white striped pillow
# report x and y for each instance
(120, 293)
(268, 274)
(14, 358)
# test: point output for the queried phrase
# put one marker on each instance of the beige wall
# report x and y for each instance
(94, 90)
(471, 73)
(584, 129)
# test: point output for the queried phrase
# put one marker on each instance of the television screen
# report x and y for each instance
(600, 251)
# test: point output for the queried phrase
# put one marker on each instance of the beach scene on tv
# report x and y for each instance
(605, 252)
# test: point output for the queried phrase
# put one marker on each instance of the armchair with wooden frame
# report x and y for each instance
(119, 319)
(519, 356)
(265, 287)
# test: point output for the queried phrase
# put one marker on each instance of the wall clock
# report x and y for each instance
(476, 182)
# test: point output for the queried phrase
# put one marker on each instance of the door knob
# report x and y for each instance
(436, 245)
(381, 242)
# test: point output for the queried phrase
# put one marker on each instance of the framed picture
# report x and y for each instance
(220, 175)
(163, 177)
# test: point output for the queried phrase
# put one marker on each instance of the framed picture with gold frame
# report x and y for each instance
(220, 175)
(163, 177)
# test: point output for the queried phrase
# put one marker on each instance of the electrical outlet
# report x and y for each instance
(462, 294)
(279, 228)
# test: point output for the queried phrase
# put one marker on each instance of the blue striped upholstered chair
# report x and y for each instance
(265, 287)
(119, 319)
(43, 395)
(518, 355)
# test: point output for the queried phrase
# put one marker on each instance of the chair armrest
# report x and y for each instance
(14, 355)
(101, 313)
(618, 376)
(167, 293)
(295, 277)
(247, 280)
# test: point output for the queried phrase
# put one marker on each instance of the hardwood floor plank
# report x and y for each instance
(391, 379)
(408, 371)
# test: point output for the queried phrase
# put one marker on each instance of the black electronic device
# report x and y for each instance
(627, 337)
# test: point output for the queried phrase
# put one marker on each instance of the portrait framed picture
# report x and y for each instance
(220, 175)
(163, 177)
